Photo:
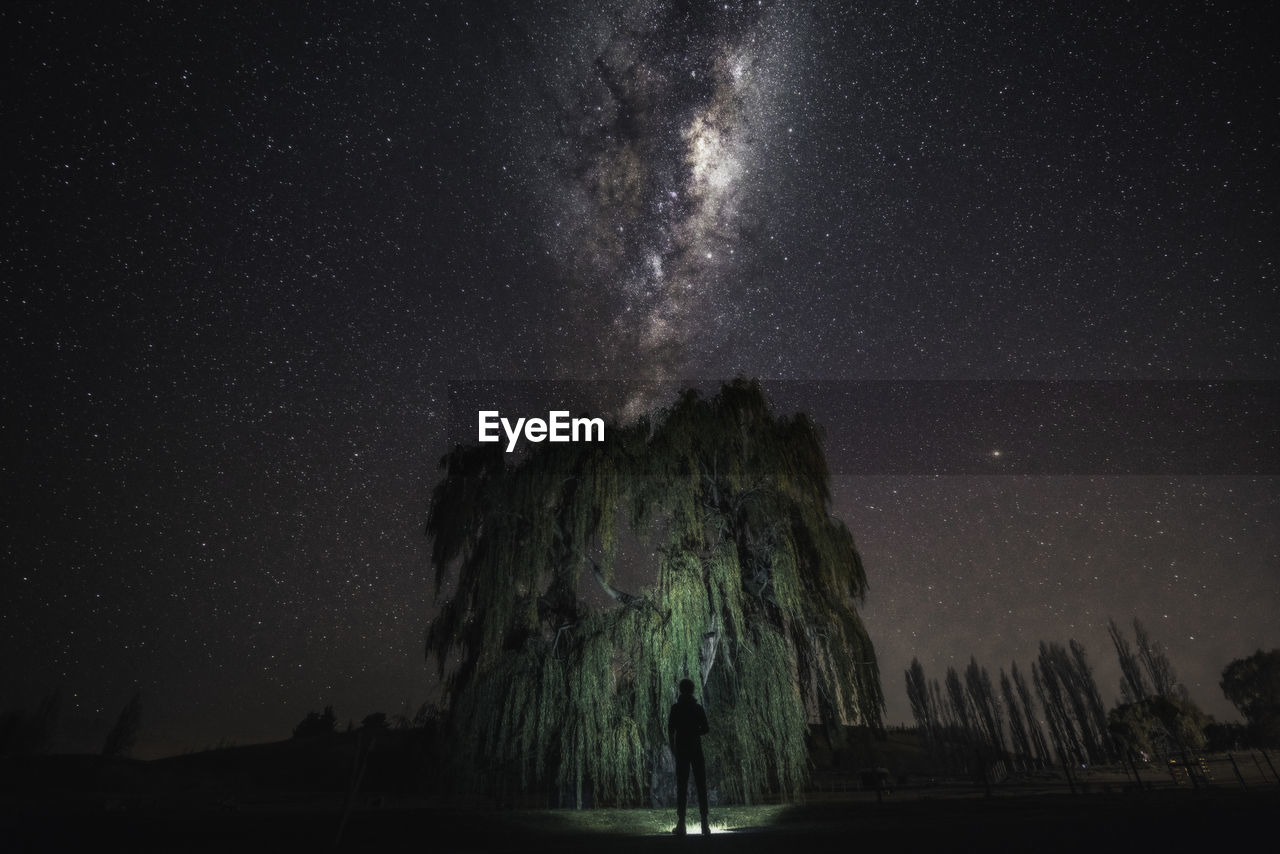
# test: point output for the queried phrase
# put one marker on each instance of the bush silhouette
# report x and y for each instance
(316, 724)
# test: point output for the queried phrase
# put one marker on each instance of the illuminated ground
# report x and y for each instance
(645, 822)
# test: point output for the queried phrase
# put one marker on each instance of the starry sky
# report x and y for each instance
(1019, 259)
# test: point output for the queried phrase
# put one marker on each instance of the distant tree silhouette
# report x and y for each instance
(1071, 701)
(1133, 687)
(375, 721)
(1035, 733)
(124, 734)
(427, 716)
(959, 701)
(44, 725)
(965, 720)
(939, 704)
(1159, 670)
(1066, 742)
(950, 736)
(316, 724)
(1159, 725)
(1253, 686)
(23, 734)
(918, 695)
(404, 719)
(921, 708)
(1087, 686)
(988, 717)
(1020, 740)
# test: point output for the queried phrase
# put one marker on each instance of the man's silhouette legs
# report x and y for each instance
(682, 791)
(682, 788)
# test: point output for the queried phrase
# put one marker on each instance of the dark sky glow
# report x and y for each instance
(248, 250)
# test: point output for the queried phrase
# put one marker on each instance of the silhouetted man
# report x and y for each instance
(685, 728)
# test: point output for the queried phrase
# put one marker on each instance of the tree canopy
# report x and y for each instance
(1158, 725)
(1253, 685)
(705, 533)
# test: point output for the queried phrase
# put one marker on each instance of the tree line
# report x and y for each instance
(1057, 715)
(24, 733)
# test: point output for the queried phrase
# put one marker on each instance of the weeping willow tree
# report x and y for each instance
(743, 581)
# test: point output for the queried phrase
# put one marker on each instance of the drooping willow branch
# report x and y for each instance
(751, 589)
(627, 600)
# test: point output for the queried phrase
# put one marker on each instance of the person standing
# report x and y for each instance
(685, 727)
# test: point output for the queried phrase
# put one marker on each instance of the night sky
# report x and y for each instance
(1019, 258)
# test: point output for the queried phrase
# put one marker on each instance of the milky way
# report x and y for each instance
(250, 249)
(653, 179)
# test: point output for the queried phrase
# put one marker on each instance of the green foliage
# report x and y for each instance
(749, 587)
(1159, 725)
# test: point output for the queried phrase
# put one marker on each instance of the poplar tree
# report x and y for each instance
(1133, 687)
(1017, 725)
(1087, 687)
(918, 695)
(706, 531)
(124, 733)
(986, 709)
(1065, 740)
(949, 733)
(1159, 670)
(921, 709)
(1034, 731)
(1071, 701)
(960, 708)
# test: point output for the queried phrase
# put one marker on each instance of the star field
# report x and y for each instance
(247, 250)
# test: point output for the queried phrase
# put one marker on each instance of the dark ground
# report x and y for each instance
(290, 796)
(1170, 820)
